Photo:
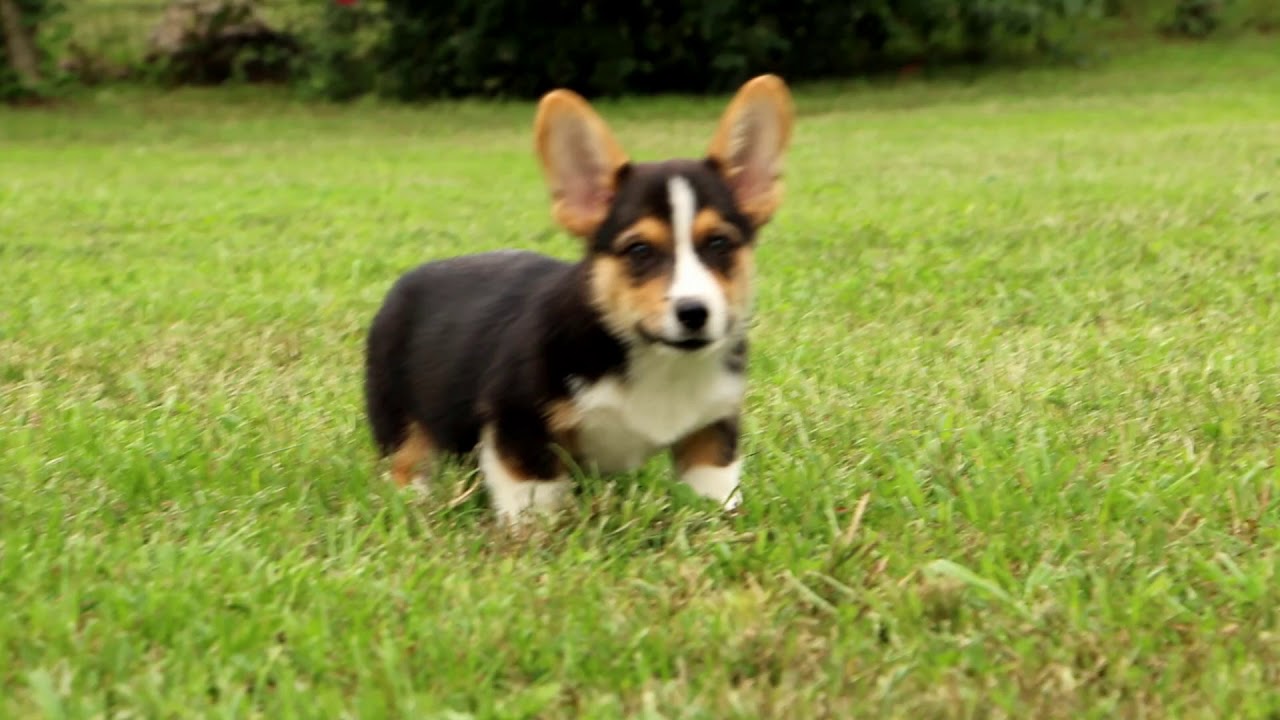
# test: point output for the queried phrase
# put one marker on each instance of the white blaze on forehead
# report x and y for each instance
(683, 207)
(691, 279)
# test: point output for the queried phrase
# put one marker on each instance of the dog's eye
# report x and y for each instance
(719, 243)
(639, 252)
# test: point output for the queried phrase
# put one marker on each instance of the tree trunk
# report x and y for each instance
(21, 48)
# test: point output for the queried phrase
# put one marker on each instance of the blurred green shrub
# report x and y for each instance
(418, 49)
(442, 48)
(1198, 19)
(34, 14)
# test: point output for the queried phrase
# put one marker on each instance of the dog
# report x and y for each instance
(638, 348)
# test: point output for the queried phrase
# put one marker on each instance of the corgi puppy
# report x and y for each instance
(639, 347)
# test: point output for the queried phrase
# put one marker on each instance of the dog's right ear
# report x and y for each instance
(580, 159)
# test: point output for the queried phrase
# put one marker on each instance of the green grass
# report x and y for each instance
(1012, 430)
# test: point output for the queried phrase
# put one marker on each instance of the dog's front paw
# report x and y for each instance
(716, 483)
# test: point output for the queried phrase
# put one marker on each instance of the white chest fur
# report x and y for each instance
(666, 395)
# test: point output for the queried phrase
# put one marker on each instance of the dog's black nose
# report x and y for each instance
(692, 314)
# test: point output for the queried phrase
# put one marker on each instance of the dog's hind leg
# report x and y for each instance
(412, 454)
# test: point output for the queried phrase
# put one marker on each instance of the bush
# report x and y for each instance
(523, 47)
(1194, 18)
(1198, 19)
(34, 13)
(200, 42)
(343, 43)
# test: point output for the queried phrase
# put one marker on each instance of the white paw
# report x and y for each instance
(716, 483)
(529, 499)
(734, 500)
(517, 500)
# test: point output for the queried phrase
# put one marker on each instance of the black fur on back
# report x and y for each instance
(488, 337)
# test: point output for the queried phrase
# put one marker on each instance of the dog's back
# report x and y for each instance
(436, 335)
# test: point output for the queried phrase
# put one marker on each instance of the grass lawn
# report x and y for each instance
(1013, 427)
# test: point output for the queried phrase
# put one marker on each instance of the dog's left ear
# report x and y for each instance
(580, 159)
(749, 144)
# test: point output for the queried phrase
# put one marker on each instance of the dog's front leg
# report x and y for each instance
(524, 478)
(708, 462)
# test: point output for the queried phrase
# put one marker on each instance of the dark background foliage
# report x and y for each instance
(34, 12)
(422, 49)
(523, 47)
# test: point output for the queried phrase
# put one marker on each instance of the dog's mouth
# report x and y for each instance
(685, 344)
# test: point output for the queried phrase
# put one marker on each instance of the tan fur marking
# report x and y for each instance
(513, 465)
(651, 230)
(763, 207)
(567, 440)
(514, 468)
(708, 221)
(562, 420)
(737, 284)
(562, 415)
(624, 305)
(415, 449)
(517, 470)
(702, 448)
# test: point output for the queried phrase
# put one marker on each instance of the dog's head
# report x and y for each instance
(670, 245)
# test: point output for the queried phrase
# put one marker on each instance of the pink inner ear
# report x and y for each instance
(753, 180)
(584, 197)
(582, 175)
(752, 163)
